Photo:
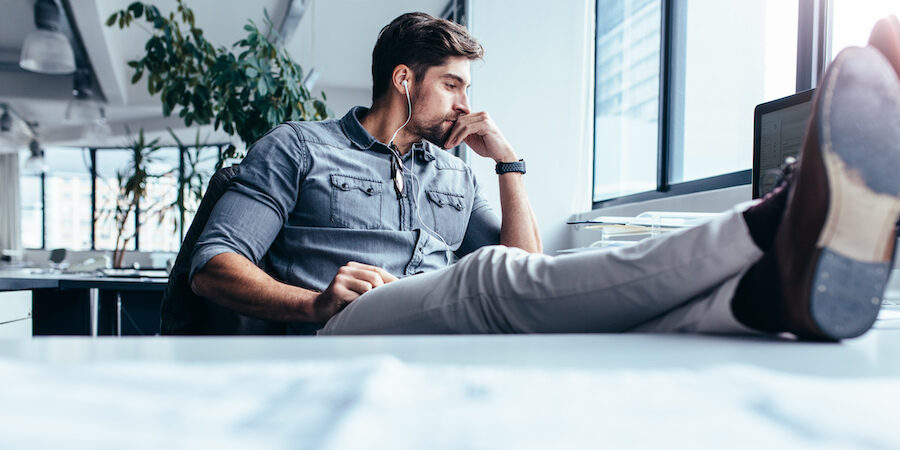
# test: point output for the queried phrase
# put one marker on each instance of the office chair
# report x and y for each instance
(57, 256)
(185, 313)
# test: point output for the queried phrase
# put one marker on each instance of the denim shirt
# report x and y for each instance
(312, 196)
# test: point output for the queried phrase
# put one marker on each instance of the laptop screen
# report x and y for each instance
(779, 128)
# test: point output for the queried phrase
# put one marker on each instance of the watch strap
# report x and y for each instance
(506, 167)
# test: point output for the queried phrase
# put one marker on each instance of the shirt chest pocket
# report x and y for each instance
(355, 202)
(449, 213)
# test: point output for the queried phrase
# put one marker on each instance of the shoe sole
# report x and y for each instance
(860, 136)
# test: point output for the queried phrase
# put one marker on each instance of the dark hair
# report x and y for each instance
(420, 41)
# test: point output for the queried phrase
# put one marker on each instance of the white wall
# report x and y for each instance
(341, 99)
(536, 82)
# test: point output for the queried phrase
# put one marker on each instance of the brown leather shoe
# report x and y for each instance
(886, 38)
(834, 245)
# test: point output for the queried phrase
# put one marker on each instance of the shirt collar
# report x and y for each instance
(365, 141)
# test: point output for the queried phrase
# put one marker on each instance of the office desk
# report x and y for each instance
(24, 279)
(548, 391)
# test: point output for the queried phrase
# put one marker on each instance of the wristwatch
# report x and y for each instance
(506, 167)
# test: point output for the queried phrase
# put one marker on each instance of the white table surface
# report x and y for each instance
(876, 353)
(549, 391)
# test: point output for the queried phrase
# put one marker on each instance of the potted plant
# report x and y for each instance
(245, 90)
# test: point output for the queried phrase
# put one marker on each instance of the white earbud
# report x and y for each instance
(408, 116)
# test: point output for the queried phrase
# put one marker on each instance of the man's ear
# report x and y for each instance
(402, 73)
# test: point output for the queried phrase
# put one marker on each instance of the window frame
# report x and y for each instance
(813, 31)
(182, 228)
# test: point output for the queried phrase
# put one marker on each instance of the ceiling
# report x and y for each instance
(334, 36)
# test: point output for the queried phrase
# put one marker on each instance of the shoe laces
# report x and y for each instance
(784, 173)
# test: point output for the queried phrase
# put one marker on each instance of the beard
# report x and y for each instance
(434, 130)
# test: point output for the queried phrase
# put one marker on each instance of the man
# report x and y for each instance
(812, 258)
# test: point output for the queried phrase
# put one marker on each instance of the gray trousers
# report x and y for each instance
(680, 282)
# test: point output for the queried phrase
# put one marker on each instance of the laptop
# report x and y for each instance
(778, 130)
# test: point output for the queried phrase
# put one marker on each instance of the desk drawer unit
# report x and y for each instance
(15, 314)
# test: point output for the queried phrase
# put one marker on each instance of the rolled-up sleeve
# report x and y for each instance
(483, 228)
(249, 216)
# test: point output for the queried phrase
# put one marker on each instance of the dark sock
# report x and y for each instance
(757, 300)
(763, 219)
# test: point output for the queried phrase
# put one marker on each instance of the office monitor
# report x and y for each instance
(778, 130)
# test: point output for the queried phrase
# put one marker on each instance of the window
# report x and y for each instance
(58, 205)
(853, 20)
(199, 167)
(159, 211)
(676, 83)
(67, 195)
(110, 164)
(719, 75)
(626, 117)
(30, 186)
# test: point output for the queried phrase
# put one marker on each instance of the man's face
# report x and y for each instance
(439, 99)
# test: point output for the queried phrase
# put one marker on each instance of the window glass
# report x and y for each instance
(853, 21)
(728, 57)
(627, 97)
(159, 209)
(32, 206)
(67, 185)
(199, 167)
(111, 162)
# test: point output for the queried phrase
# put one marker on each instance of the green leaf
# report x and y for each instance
(136, 8)
(112, 19)
(261, 87)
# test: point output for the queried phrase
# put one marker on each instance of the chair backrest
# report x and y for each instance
(57, 255)
(185, 313)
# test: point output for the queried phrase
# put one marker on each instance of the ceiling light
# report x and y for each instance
(35, 163)
(46, 50)
(82, 108)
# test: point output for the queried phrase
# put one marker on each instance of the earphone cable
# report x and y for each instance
(415, 178)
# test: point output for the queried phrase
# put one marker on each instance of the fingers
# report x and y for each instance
(348, 283)
(466, 125)
(386, 277)
(351, 281)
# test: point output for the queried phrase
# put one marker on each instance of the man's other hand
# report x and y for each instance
(480, 133)
(351, 281)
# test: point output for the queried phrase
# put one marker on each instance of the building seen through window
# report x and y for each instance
(627, 97)
(57, 205)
